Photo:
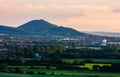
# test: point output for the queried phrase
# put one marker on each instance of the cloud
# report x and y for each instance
(78, 14)
(116, 10)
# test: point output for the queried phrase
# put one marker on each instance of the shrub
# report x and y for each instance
(61, 74)
(30, 72)
(96, 67)
(42, 73)
(4, 67)
(52, 73)
(32, 67)
(47, 67)
(17, 70)
(88, 61)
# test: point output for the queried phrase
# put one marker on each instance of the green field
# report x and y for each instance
(66, 72)
(81, 75)
(57, 73)
(25, 75)
(95, 60)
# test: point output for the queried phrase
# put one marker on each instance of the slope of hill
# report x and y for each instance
(36, 25)
(42, 27)
(11, 31)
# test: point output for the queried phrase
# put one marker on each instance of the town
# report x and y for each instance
(17, 46)
(19, 52)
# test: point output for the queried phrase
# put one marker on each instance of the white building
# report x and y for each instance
(104, 42)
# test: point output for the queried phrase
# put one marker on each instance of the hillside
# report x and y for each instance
(46, 29)
(42, 27)
(11, 31)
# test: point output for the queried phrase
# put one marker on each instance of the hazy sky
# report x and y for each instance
(83, 15)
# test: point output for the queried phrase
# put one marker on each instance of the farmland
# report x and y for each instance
(80, 74)
(53, 71)
(56, 61)
(95, 60)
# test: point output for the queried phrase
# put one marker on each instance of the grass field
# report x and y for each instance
(26, 75)
(53, 69)
(81, 75)
(66, 72)
(95, 60)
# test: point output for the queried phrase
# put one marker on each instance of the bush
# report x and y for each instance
(88, 61)
(96, 67)
(30, 72)
(105, 68)
(77, 62)
(17, 70)
(4, 67)
(32, 67)
(52, 73)
(42, 73)
(37, 67)
(47, 67)
(61, 74)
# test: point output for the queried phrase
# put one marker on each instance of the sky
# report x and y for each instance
(82, 15)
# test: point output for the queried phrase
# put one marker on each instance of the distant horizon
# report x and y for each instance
(82, 15)
(57, 25)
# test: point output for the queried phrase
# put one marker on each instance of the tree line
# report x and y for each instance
(58, 51)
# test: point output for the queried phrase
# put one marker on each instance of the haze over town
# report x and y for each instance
(83, 15)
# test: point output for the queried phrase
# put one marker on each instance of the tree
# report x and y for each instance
(96, 67)
(4, 67)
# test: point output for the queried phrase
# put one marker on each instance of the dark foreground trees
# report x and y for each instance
(113, 68)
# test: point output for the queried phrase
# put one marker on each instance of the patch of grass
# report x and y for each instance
(90, 65)
(94, 60)
(82, 75)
